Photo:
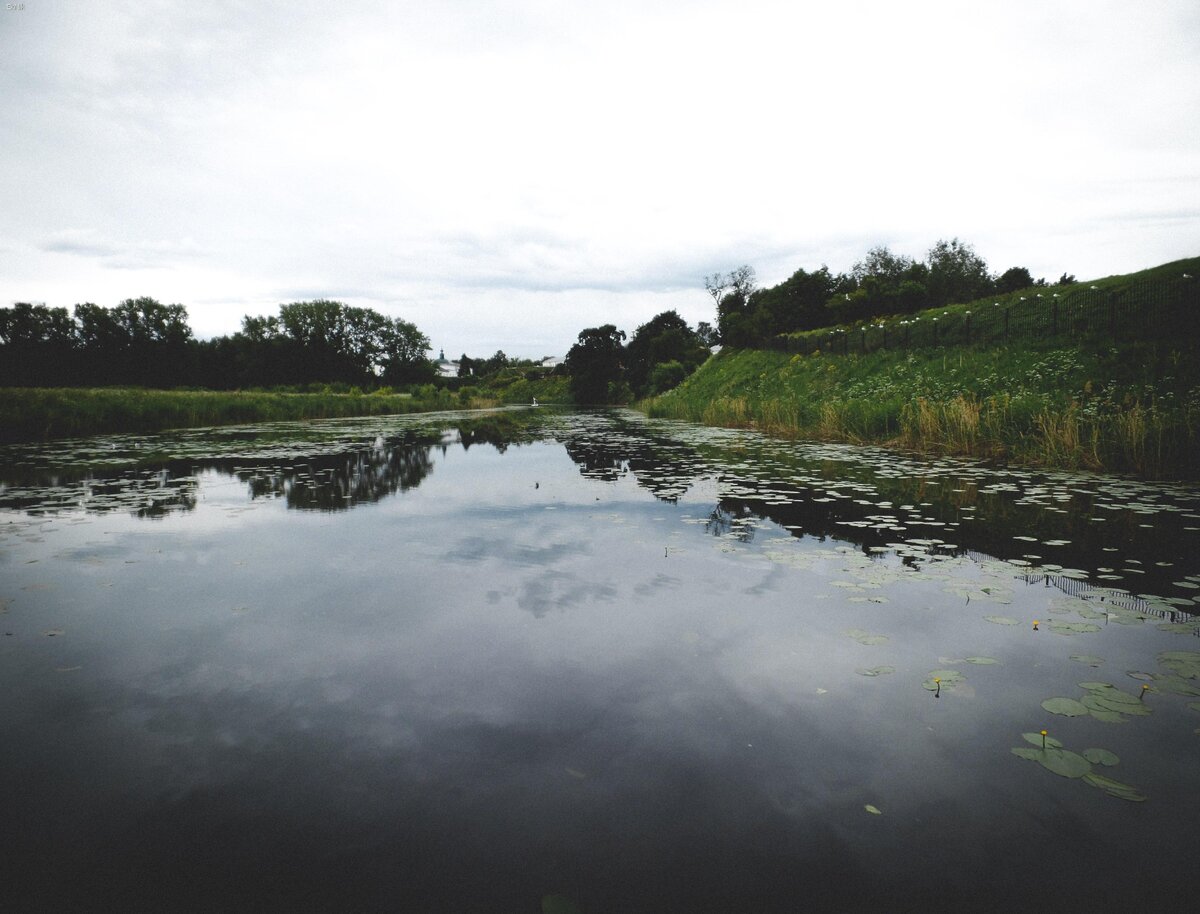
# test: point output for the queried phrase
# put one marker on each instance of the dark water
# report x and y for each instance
(586, 662)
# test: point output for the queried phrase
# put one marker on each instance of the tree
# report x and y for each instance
(797, 303)
(595, 364)
(402, 358)
(731, 293)
(956, 273)
(666, 375)
(664, 338)
(1013, 280)
(466, 366)
(37, 345)
(882, 264)
(140, 341)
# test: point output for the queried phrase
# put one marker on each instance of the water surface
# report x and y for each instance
(532, 660)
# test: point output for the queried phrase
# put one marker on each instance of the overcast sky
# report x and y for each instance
(505, 174)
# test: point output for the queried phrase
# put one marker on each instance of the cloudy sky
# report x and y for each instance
(504, 174)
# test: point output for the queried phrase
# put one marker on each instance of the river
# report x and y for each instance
(588, 662)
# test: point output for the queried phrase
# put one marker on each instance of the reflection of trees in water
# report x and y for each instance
(335, 483)
(659, 467)
(732, 522)
(149, 495)
(334, 480)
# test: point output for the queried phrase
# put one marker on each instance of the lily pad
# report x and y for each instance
(1100, 757)
(982, 661)
(1071, 628)
(1068, 707)
(559, 904)
(875, 671)
(949, 678)
(1114, 788)
(1177, 685)
(1089, 659)
(873, 810)
(1036, 740)
(1182, 663)
(1062, 762)
(863, 637)
(1002, 620)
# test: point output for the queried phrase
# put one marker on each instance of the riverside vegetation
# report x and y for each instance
(1121, 400)
(41, 414)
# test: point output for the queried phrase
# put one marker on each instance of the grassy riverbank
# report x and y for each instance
(1127, 406)
(39, 414)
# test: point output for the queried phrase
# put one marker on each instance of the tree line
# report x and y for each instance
(664, 351)
(603, 368)
(882, 283)
(143, 342)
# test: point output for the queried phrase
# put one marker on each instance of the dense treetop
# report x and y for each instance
(144, 342)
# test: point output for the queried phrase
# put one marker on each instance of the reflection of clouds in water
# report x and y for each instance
(555, 590)
(474, 549)
(773, 579)
(660, 582)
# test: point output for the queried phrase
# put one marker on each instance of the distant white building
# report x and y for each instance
(445, 367)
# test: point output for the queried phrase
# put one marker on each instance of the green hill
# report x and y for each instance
(1097, 375)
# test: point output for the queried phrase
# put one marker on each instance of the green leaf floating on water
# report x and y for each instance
(1068, 707)
(1182, 663)
(1071, 628)
(982, 661)
(1108, 703)
(948, 679)
(1177, 685)
(1036, 739)
(1114, 788)
(863, 637)
(1062, 762)
(875, 671)
(1088, 659)
(1002, 620)
(1100, 757)
(873, 810)
(559, 904)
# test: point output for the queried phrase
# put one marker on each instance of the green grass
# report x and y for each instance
(39, 414)
(513, 386)
(1133, 406)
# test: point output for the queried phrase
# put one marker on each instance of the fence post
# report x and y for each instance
(863, 341)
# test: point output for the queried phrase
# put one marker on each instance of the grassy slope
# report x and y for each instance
(1100, 404)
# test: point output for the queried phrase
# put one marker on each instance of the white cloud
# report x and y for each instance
(507, 174)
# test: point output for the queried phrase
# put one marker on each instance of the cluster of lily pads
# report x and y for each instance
(1055, 758)
(1103, 701)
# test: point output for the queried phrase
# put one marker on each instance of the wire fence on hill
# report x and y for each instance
(1150, 308)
